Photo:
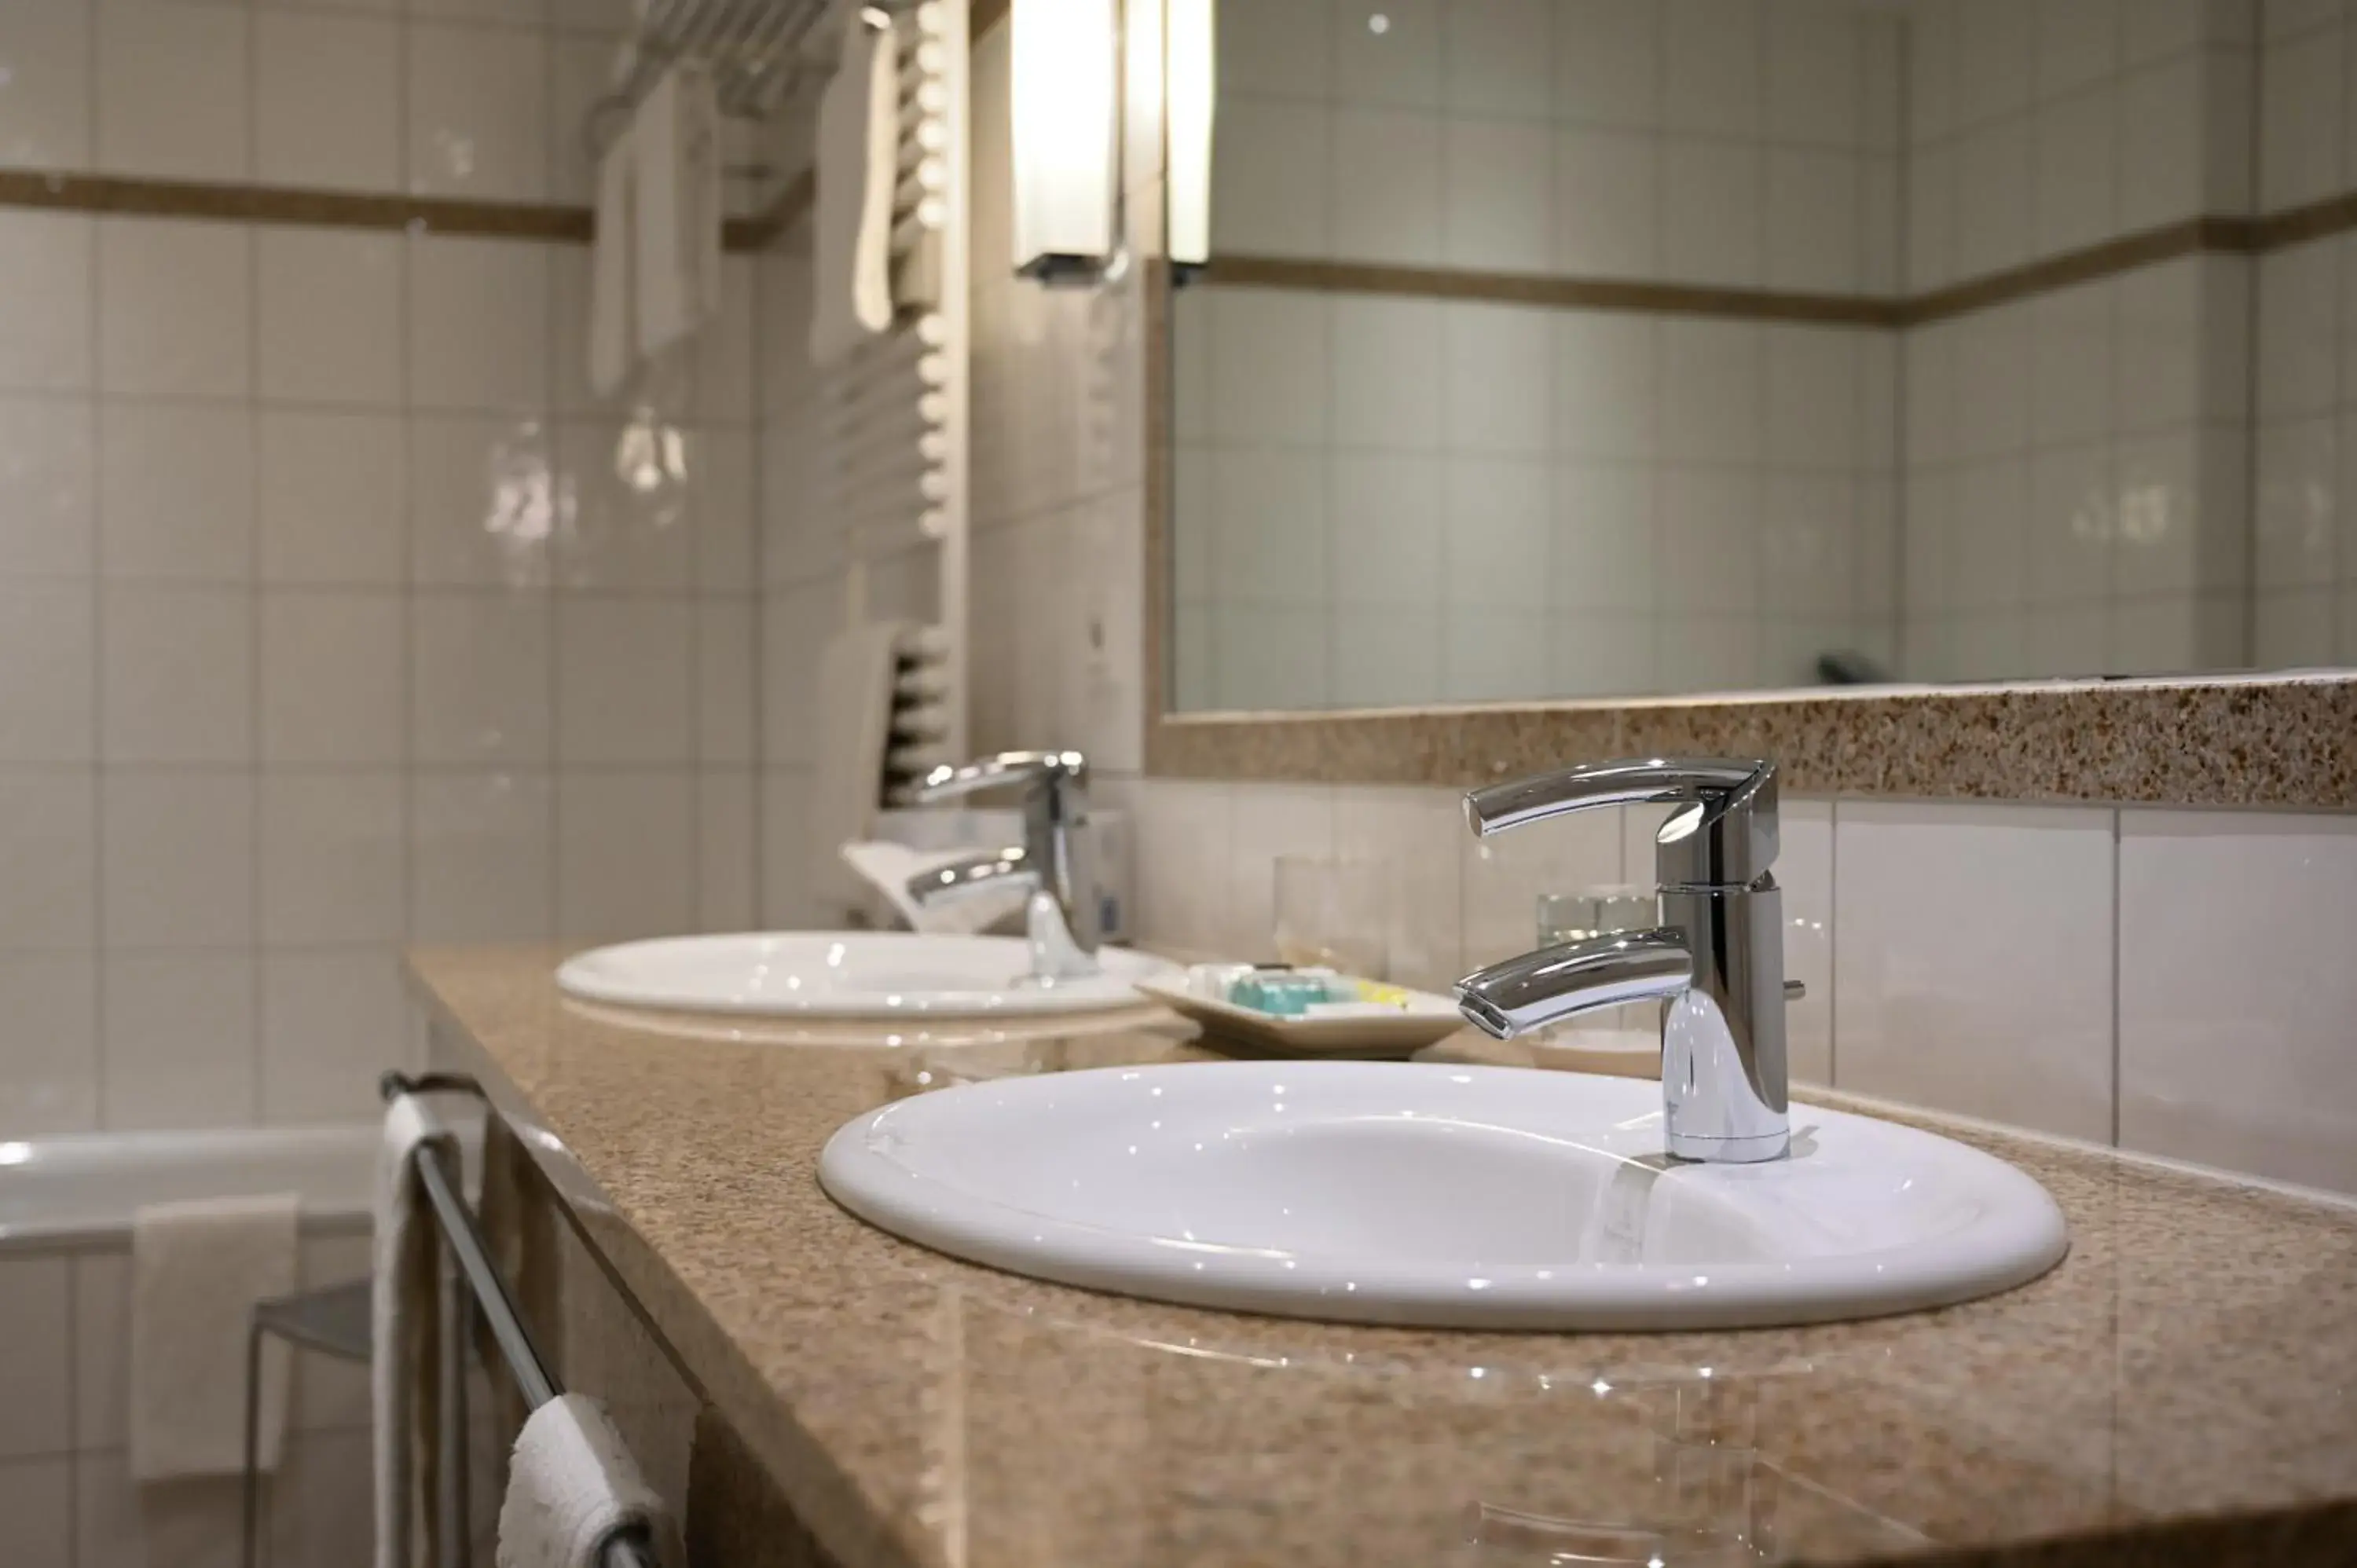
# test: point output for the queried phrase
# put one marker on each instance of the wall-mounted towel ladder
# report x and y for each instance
(477, 1283)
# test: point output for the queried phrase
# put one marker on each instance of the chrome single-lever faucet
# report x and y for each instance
(1716, 962)
(1056, 858)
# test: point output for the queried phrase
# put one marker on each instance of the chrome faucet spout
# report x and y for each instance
(1056, 858)
(1544, 987)
(1717, 961)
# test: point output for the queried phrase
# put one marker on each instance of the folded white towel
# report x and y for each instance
(858, 163)
(402, 1305)
(676, 208)
(197, 1268)
(613, 312)
(572, 1485)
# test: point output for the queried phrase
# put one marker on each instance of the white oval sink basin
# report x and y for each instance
(847, 975)
(1447, 1196)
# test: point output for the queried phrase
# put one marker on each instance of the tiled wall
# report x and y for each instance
(2166, 981)
(2077, 464)
(64, 1480)
(1386, 500)
(334, 611)
(2306, 604)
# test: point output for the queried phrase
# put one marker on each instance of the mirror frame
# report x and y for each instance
(2281, 740)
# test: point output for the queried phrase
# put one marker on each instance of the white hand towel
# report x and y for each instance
(197, 1268)
(401, 1307)
(572, 1485)
(613, 312)
(857, 161)
(675, 226)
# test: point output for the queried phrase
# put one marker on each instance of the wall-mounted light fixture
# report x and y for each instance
(1066, 110)
(1190, 92)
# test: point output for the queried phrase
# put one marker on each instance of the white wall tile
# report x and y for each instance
(1711, 229)
(40, 1494)
(612, 534)
(2077, 169)
(2070, 364)
(49, 847)
(479, 324)
(1498, 369)
(1388, 523)
(2300, 302)
(46, 327)
(725, 696)
(1607, 62)
(1180, 835)
(485, 502)
(1269, 167)
(2300, 153)
(48, 671)
(1498, 186)
(1382, 657)
(331, 857)
(45, 116)
(480, 679)
(176, 312)
(178, 864)
(326, 100)
(480, 857)
(1503, 876)
(172, 90)
(1606, 379)
(330, 317)
(48, 486)
(1281, 49)
(1270, 820)
(2165, 165)
(477, 112)
(180, 1048)
(176, 492)
(626, 855)
(1711, 77)
(1387, 51)
(2233, 1006)
(1712, 389)
(1269, 359)
(1992, 998)
(332, 499)
(726, 836)
(624, 681)
(1994, 197)
(1814, 239)
(1386, 195)
(1416, 834)
(1499, 55)
(175, 674)
(2077, 43)
(1272, 539)
(50, 1083)
(332, 677)
(36, 1313)
(1387, 383)
(1602, 546)
(331, 1022)
(1814, 76)
(1607, 222)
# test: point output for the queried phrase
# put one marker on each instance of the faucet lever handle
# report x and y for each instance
(1726, 837)
(1052, 772)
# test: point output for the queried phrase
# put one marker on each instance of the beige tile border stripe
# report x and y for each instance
(2195, 236)
(121, 196)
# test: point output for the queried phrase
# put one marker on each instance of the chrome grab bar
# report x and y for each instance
(532, 1378)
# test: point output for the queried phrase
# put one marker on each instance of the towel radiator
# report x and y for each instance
(478, 1280)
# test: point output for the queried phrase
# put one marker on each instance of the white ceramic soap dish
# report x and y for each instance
(1201, 993)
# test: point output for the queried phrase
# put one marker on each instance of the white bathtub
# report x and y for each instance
(80, 1189)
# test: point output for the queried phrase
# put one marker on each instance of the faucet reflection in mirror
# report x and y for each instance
(1057, 858)
(1716, 962)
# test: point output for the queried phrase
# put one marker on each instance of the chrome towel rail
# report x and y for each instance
(490, 1295)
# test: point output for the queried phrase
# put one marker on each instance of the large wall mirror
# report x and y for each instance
(1559, 348)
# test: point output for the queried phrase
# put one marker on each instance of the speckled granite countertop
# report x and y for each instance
(2181, 1389)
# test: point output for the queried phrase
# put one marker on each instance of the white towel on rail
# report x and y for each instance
(613, 310)
(197, 1268)
(676, 208)
(572, 1486)
(403, 1304)
(858, 163)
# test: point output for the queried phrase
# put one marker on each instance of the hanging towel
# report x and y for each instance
(572, 1486)
(613, 312)
(859, 161)
(401, 1316)
(197, 1268)
(676, 208)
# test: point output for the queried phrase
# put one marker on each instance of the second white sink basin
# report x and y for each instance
(849, 974)
(1477, 1198)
